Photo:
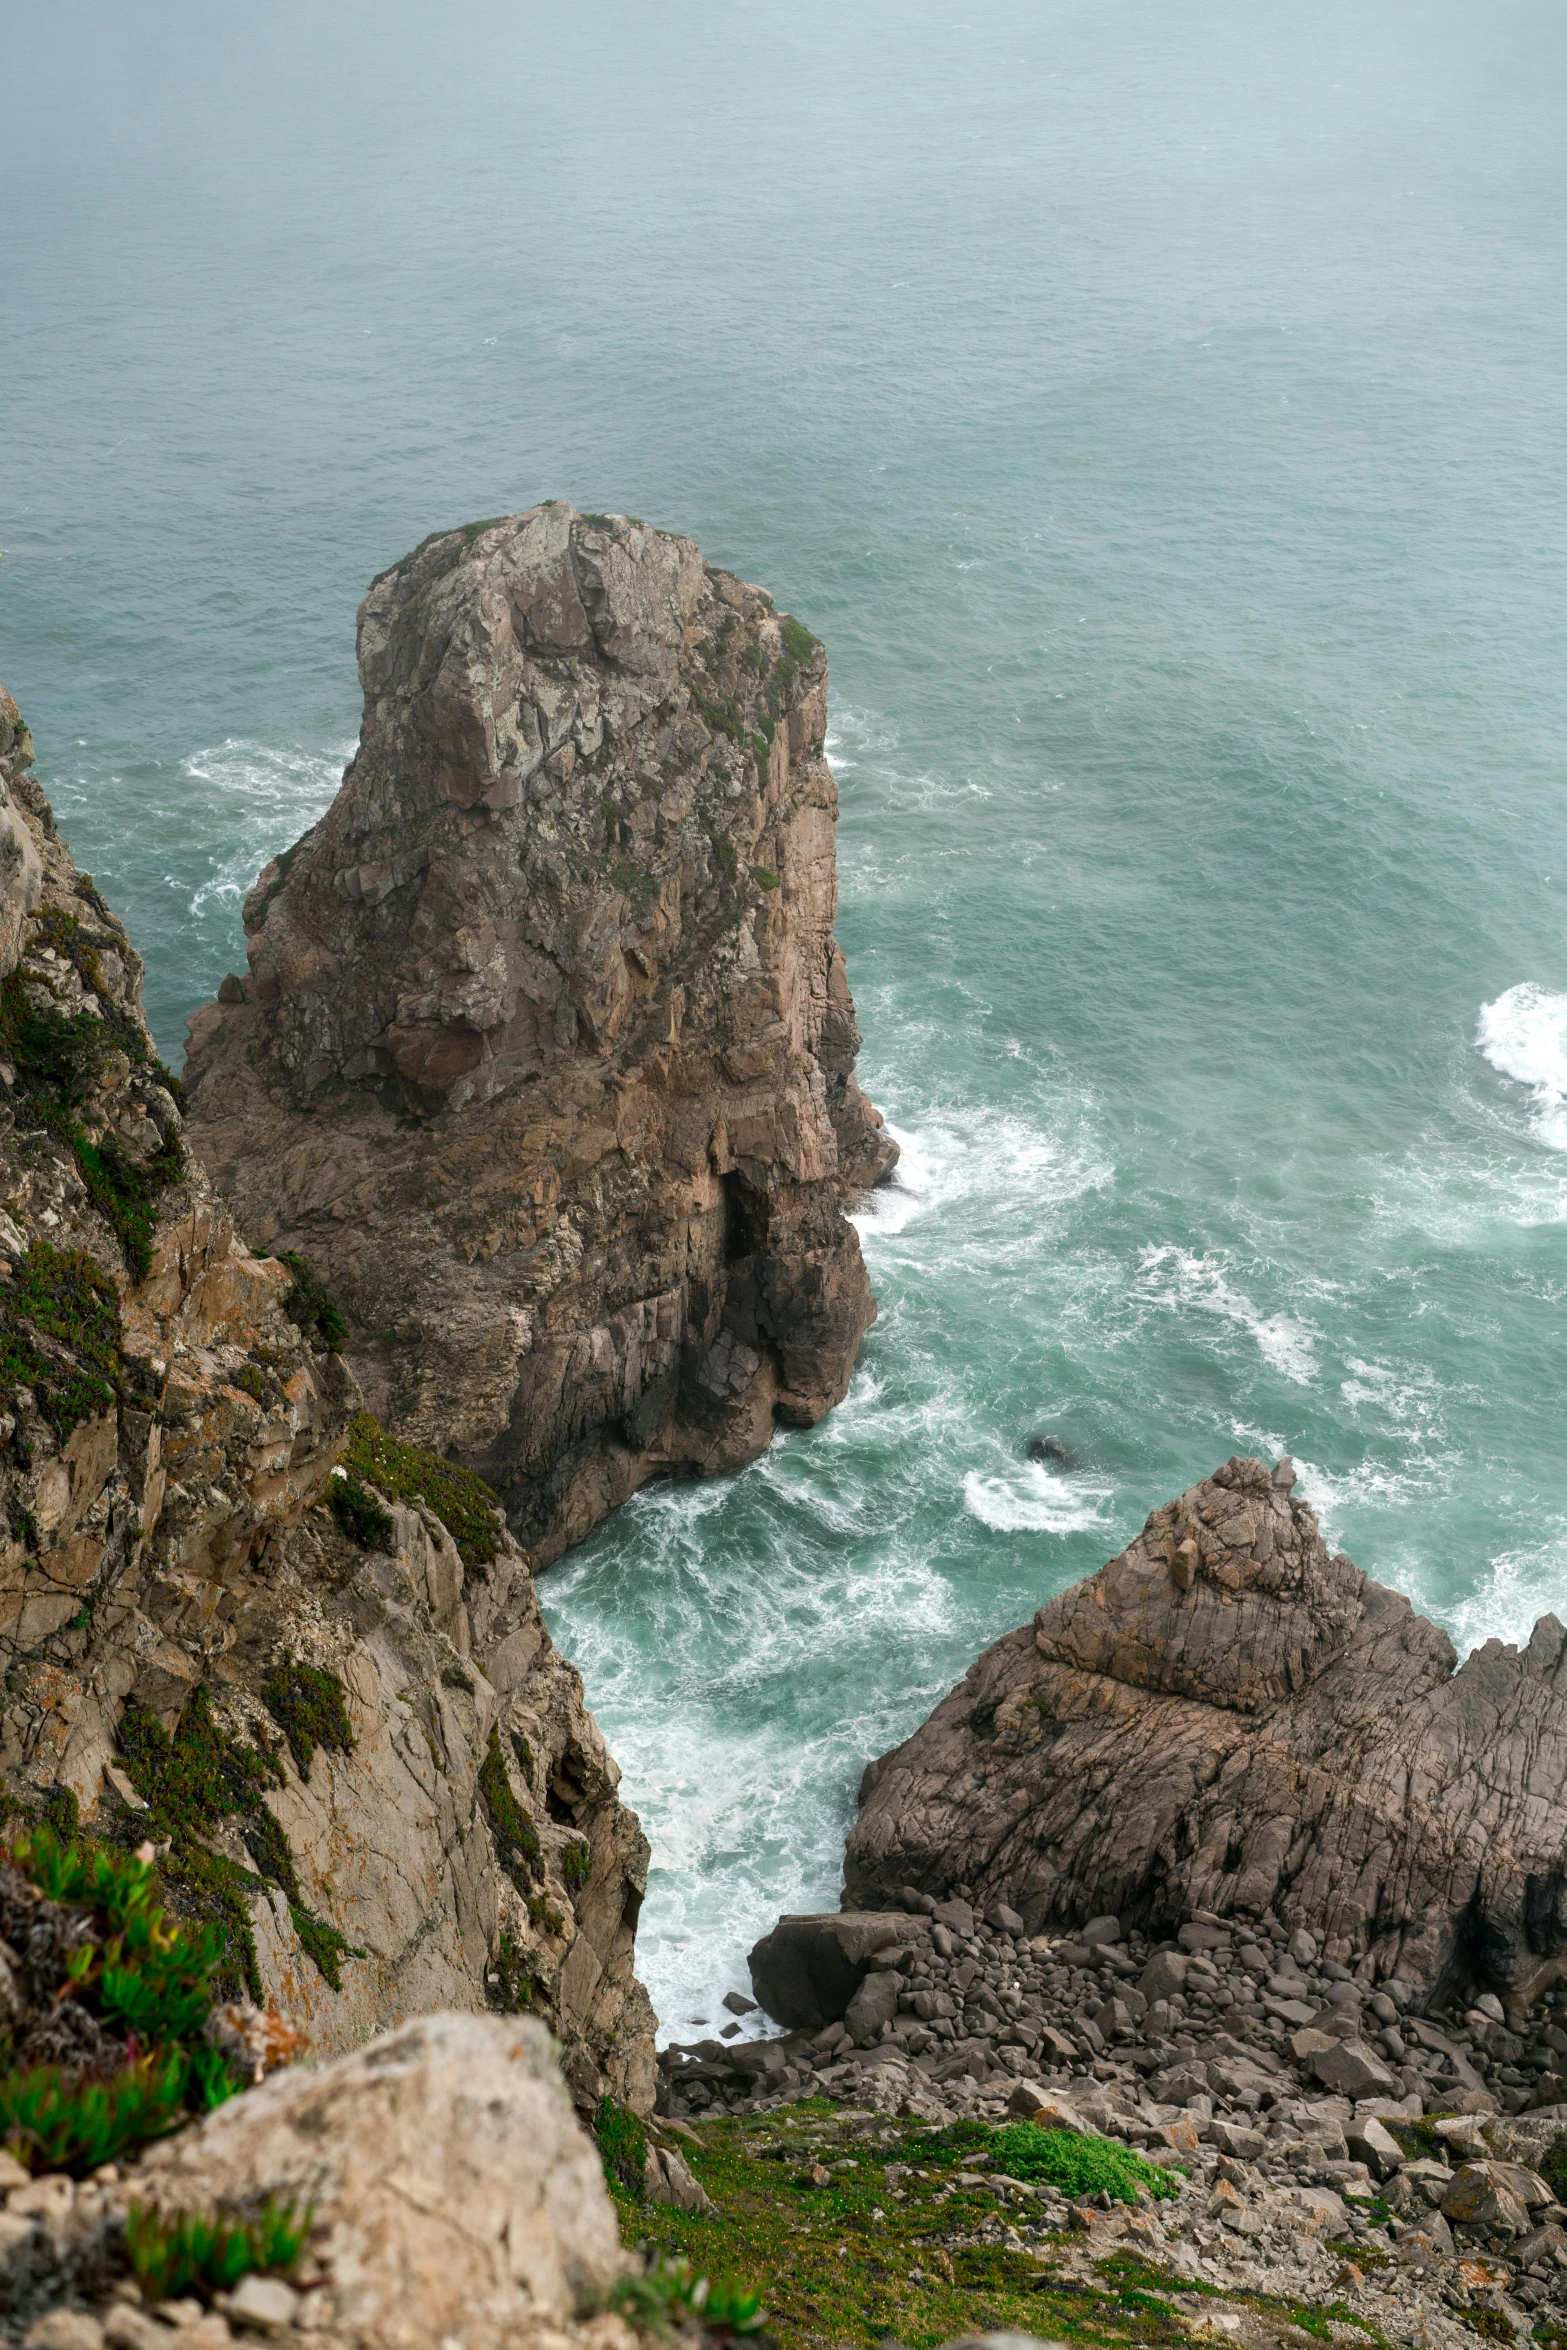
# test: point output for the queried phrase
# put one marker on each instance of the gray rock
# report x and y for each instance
(265, 2305)
(1164, 1974)
(738, 2004)
(806, 1971)
(875, 2003)
(1351, 2069)
(1100, 1931)
(1370, 2142)
(1274, 1711)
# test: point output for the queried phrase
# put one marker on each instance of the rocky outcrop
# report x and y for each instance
(348, 1727)
(545, 1055)
(1228, 1720)
(453, 2192)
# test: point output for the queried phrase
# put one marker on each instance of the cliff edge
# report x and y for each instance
(236, 1620)
(545, 1056)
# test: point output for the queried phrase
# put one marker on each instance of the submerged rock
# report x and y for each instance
(545, 1057)
(1228, 1720)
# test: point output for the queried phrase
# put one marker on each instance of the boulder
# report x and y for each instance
(808, 1969)
(1228, 1721)
(1350, 2069)
(551, 995)
(454, 2192)
(1370, 2142)
(1480, 2198)
(875, 2003)
(1164, 1975)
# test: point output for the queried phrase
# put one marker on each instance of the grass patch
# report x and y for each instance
(672, 2298)
(868, 2255)
(469, 1509)
(209, 2251)
(622, 2148)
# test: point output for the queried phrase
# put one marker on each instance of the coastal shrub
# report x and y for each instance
(1075, 2166)
(60, 1336)
(209, 2251)
(106, 2049)
(516, 1837)
(469, 1509)
(307, 1703)
(576, 1866)
(1552, 2165)
(672, 2296)
(192, 1781)
(511, 1985)
(622, 2147)
(361, 1517)
(307, 1304)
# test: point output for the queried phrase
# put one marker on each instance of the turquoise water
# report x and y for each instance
(1162, 414)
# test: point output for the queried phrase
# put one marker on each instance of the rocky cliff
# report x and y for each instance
(322, 1685)
(1227, 1720)
(545, 1055)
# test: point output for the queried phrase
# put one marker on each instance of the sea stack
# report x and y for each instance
(545, 1057)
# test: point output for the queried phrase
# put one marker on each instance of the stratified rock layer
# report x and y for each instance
(167, 1433)
(545, 1058)
(1226, 1719)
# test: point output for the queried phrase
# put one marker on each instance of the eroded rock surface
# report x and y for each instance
(1227, 1719)
(545, 1056)
(455, 2195)
(450, 1834)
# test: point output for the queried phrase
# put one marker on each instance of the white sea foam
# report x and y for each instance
(1187, 1283)
(1025, 1498)
(258, 799)
(1523, 1035)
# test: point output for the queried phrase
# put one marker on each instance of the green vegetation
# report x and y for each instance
(511, 1987)
(1552, 2165)
(853, 2255)
(191, 1783)
(469, 1509)
(672, 2296)
(1078, 2167)
(307, 1705)
(208, 2252)
(60, 1336)
(623, 2147)
(360, 1515)
(576, 1866)
(516, 1838)
(764, 877)
(308, 1305)
(59, 1061)
(149, 1982)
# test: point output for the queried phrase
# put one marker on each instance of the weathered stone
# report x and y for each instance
(1477, 2198)
(546, 1055)
(1277, 1733)
(1164, 1974)
(182, 1547)
(808, 1969)
(1375, 2146)
(453, 2189)
(265, 2305)
(1351, 2070)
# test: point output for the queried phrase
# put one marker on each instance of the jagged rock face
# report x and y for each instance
(1227, 1719)
(167, 1432)
(545, 1058)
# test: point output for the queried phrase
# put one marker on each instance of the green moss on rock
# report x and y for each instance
(307, 1703)
(469, 1509)
(516, 1838)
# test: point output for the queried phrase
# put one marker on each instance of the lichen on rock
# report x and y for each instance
(545, 1057)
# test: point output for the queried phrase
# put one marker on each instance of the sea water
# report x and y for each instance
(1162, 415)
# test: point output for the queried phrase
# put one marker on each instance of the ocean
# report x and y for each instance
(1162, 416)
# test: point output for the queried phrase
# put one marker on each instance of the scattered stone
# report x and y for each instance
(265, 2304)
